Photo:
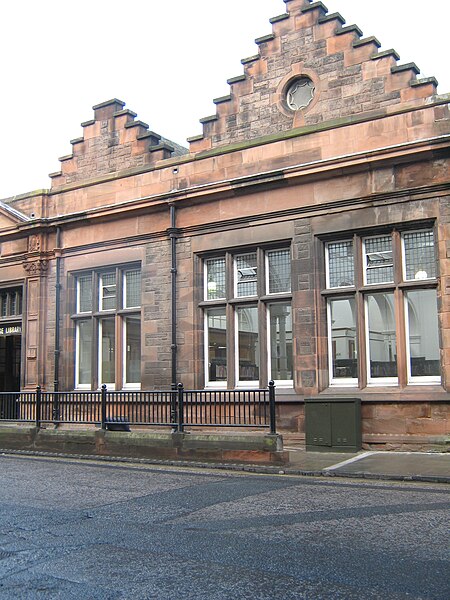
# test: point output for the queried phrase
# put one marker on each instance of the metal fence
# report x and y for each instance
(171, 408)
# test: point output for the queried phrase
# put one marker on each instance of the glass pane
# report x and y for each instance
(423, 333)
(217, 344)
(84, 300)
(108, 351)
(84, 349)
(420, 260)
(382, 338)
(215, 278)
(279, 266)
(343, 339)
(132, 284)
(4, 305)
(280, 317)
(108, 291)
(341, 264)
(248, 343)
(132, 352)
(246, 275)
(379, 265)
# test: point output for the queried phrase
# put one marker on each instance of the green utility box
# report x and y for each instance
(333, 424)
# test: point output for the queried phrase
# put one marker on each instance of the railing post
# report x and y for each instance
(38, 406)
(180, 408)
(273, 427)
(104, 406)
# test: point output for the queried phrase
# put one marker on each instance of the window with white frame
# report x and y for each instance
(248, 318)
(108, 328)
(382, 318)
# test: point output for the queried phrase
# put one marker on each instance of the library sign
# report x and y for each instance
(10, 330)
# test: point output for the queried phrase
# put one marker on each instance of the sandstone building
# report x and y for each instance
(304, 237)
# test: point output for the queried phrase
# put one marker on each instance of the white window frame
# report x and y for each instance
(327, 265)
(205, 278)
(109, 386)
(208, 383)
(421, 379)
(376, 381)
(352, 382)
(127, 385)
(243, 383)
(78, 298)
(100, 291)
(405, 233)
(235, 274)
(267, 271)
(124, 287)
(280, 383)
(364, 253)
(78, 385)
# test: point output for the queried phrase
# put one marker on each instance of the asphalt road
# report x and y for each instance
(91, 530)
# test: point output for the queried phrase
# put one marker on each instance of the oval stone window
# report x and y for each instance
(300, 93)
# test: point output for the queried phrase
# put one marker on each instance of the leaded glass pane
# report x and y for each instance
(132, 283)
(248, 343)
(280, 322)
(84, 293)
(420, 262)
(215, 279)
(4, 305)
(246, 275)
(423, 333)
(108, 291)
(341, 264)
(378, 255)
(279, 267)
(382, 336)
(217, 344)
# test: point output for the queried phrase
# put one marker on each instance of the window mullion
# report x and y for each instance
(402, 366)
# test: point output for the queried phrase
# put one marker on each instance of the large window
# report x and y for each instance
(248, 318)
(382, 309)
(108, 328)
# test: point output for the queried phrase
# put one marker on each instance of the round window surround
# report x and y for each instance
(300, 93)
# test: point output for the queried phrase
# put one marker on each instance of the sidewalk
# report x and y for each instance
(406, 466)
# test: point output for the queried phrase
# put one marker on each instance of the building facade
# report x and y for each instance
(304, 237)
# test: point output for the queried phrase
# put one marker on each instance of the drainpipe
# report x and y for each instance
(57, 308)
(173, 232)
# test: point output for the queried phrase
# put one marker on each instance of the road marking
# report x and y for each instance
(349, 461)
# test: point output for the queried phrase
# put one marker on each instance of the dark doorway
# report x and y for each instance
(10, 350)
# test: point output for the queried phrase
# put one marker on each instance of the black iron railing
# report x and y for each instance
(170, 408)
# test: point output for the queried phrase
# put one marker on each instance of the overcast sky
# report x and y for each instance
(167, 59)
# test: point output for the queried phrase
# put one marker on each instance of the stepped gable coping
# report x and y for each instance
(135, 124)
(265, 38)
(88, 123)
(314, 5)
(222, 99)
(209, 119)
(390, 52)
(78, 140)
(349, 29)
(236, 79)
(368, 40)
(250, 59)
(55, 174)
(406, 67)
(149, 134)
(66, 157)
(332, 17)
(161, 146)
(108, 103)
(424, 81)
(125, 111)
(279, 18)
(195, 138)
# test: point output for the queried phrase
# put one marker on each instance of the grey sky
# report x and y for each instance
(167, 59)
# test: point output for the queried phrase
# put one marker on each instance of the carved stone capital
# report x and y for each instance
(36, 267)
